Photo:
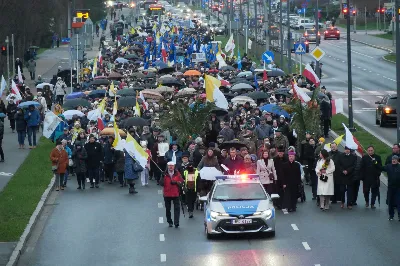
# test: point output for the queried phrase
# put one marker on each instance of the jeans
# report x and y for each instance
(168, 201)
(93, 174)
(60, 99)
(1, 149)
(66, 177)
(21, 137)
(32, 75)
(32, 133)
(393, 198)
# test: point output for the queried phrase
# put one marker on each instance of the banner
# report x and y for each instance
(50, 124)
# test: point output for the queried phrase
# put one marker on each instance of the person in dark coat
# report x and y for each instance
(234, 162)
(357, 178)
(108, 161)
(131, 172)
(95, 155)
(79, 156)
(303, 159)
(334, 154)
(291, 181)
(309, 156)
(18, 63)
(346, 165)
(393, 193)
(227, 132)
(11, 110)
(3, 108)
(119, 159)
(325, 107)
(395, 151)
(279, 163)
(171, 181)
(371, 168)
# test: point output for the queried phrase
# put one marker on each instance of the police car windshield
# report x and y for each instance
(240, 191)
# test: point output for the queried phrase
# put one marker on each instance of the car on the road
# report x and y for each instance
(238, 204)
(332, 33)
(312, 35)
(386, 110)
(219, 30)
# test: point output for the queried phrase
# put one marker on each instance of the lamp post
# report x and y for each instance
(349, 77)
(396, 15)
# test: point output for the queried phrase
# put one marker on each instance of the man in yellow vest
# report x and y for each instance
(191, 177)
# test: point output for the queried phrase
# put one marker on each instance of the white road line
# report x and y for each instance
(360, 99)
(285, 211)
(306, 246)
(163, 257)
(161, 220)
(160, 205)
(364, 69)
(340, 92)
(375, 92)
(162, 237)
(343, 61)
(160, 192)
(295, 228)
(380, 97)
(358, 88)
(357, 92)
(390, 92)
(378, 74)
(369, 108)
(354, 65)
(317, 264)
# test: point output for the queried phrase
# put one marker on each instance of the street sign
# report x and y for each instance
(299, 48)
(268, 57)
(317, 53)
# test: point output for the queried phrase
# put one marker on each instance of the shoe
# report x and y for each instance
(355, 204)
(62, 187)
(57, 189)
(83, 186)
(109, 182)
(391, 219)
(366, 205)
(121, 185)
(190, 214)
(30, 147)
(97, 186)
(134, 191)
(170, 225)
(350, 207)
(373, 206)
(34, 147)
(314, 198)
(342, 205)
(92, 186)
(177, 225)
(78, 187)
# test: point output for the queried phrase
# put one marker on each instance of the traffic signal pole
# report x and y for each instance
(317, 67)
(396, 14)
(349, 75)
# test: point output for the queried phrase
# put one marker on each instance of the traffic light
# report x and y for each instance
(345, 12)
(3, 50)
(354, 13)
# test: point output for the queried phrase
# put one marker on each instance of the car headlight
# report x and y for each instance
(188, 10)
(214, 214)
(267, 213)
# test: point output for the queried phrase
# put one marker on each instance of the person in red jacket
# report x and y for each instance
(171, 182)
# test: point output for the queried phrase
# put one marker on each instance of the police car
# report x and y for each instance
(239, 204)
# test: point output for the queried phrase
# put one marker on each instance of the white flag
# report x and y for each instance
(249, 44)
(50, 124)
(15, 90)
(350, 139)
(21, 80)
(3, 85)
(230, 45)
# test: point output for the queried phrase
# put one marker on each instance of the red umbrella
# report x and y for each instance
(225, 83)
(213, 70)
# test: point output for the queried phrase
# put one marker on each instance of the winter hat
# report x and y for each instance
(198, 140)
(291, 153)
(321, 139)
(171, 163)
(281, 149)
(185, 154)
(395, 157)
(211, 145)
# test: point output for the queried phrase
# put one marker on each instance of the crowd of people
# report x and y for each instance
(245, 138)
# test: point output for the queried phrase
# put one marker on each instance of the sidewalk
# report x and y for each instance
(369, 39)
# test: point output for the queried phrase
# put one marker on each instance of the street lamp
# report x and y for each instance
(396, 16)
(349, 77)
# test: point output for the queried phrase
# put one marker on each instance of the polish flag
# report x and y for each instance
(310, 75)
(351, 141)
(300, 93)
(145, 105)
(100, 124)
(100, 58)
(15, 90)
(163, 53)
(337, 106)
(224, 83)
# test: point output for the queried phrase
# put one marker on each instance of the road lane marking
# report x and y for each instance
(361, 89)
(284, 211)
(159, 191)
(390, 92)
(317, 264)
(340, 92)
(360, 99)
(295, 228)
(357, 92)
(160, 205)
(162, 237)
(163, 257)
(161, 220)
(364, 69)
(306, 246)
(375, 92)
(380, 97)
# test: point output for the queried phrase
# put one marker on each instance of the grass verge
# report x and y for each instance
(365, 138)
(41, 50)
(20, 197)
(391, 58)
(387, 36)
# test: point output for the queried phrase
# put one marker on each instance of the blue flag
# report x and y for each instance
(239, 62)
(256, 82)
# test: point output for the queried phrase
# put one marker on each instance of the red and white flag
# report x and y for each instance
(163, 53)
(145, 105)
(15, 91)
(337, 106)
(300, 93)
(309, 73)
(20, 78)
(100, 58)
(265, 76)
(100, 124)
(351, 141)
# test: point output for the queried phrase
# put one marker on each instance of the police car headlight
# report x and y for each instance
(214, 214)
(267, 213)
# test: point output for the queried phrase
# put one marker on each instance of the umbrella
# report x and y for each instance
(192, 73)
(227, 68)
(160, 64)
(109, 131)
(28, 103)
(213, 70)
(98, 93)
(166, 70)
(244, 64)
(241, 86)
(135, 122)
(258, 95)
(126, 92)
(219, 111)
(225, 83)
(41, 85)
(131, 56)
(137, 62)
(128, 101)
(152, 94)
(115, 75)
(149, 85)
(166, 76)
(137, 43)
(75, 95)
(238, 80)
(242, 98)
(164, 89)
(150, 69)
(275, 109)
(94, 114)
(97, 82)
(186, 91)
(122, 60)
(320, 95)
(2, 115)
(71, 104)
(70, 113)
(138, 75)
(100, 77)
(244, 74)
(178, 73)
(233, 143)
(171, 82)
(276, 73)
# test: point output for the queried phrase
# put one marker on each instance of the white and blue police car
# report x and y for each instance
(239, 204)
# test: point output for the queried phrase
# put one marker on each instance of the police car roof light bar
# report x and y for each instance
(241, 176)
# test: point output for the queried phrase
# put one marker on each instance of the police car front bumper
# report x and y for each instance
(240, 224)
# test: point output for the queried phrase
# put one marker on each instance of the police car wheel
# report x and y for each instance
(270, 234)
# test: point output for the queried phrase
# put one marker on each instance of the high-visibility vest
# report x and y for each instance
(196, 174)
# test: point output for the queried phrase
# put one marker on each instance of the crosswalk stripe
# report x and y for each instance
(375, 92)
(340, 92)
(390, 92)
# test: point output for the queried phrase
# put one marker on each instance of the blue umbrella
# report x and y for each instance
(275, 109)
(160, 64)
(75, 95)
(2, 115)
(122, 60)
(138, 43)
(28, 103)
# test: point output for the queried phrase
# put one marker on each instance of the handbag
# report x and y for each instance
(323, 178)
(54, 168)
(70, 162)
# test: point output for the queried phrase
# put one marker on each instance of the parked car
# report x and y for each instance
(386, 110)
(332, 32)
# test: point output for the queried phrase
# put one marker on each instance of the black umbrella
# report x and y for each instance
(149, 85)
(166, 70)
(98, 82)
(128, 101)
(233, 143)
(244, 64)
(98, 93)
(170, 82)
(126, 92)
(276, 73)
(131, 56)
(258, 95)
(138, 75)
(238, 80)
(219, 111)
(228, 68)
(73, 103)
(135, 122)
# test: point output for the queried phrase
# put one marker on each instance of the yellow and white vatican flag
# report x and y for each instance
(135, 150)
(213, 92)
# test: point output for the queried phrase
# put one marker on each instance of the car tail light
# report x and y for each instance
(306, 34)
(338, 32)
(387, 110)
(326, 31)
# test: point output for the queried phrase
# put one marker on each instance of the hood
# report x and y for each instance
(240, 207)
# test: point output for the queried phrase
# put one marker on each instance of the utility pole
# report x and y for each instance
(8, 58)
(349, 77)
(266, 23)
(289, 51)
(281, 34)
(317, 70)
(13, 54)
(269, 23)
(256, 19)
(396, 14)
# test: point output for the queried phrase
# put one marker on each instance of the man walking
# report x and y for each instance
(346, 165)
(94, 155)
(191, 177)
(393, 193)
(32, 68)
(371, 167)
(32, 118)
(171, 181)
(291, 181)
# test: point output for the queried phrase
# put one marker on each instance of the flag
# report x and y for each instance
(265, 76)
(220, 59)
(230, 45)
(136, 151)
(163, 53)
(351, 141)
(300, 93)
(100, 124)
(337, 141)
(94, 70)
(155, 27)
(145, 105)
(15, 91)
(213, 94)
(133, 31)
(115, 107)
(249, 44)
(309, 73)
(239, 61)
(137, 107)
(50, 124)
(100, 58)
(3, 85)
(337, 106)
(21, 80)
(112, 91)
(117, 143)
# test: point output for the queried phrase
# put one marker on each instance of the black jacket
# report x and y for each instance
(370, 170)
(335, 155)
(108, 153)
(11, 110)
(119, 158)
(95, 154)
(291, 174)
(279, 164)
(236, 165)
(1, 129)
(389, 158)
(348, 163)
(393, 173)
(20, 122)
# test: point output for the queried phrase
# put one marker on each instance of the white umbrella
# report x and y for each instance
(166, 76)
(244, 74)
(94, 114)
(209, 173)
(241, 86)
(70, 113)
(242, 99)
(150, 69)
(41, 85)
(186, 91)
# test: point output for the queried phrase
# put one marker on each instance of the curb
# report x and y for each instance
(334, 135)
(375, 46)
(387, 60)
(28, 229)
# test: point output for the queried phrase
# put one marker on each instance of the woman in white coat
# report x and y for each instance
(266, 172)
(325, 168)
